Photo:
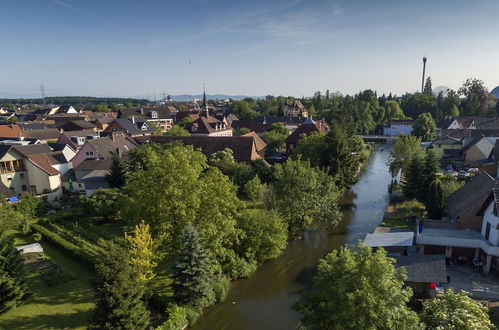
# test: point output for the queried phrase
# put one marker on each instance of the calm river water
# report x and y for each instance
(264, 301)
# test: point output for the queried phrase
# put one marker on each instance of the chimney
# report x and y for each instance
(141, 111)
(21, 137)
(133, 119)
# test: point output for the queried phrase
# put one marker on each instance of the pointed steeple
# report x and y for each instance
(204, 105)
(204, 97)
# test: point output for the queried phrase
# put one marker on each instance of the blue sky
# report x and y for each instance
(291, 47)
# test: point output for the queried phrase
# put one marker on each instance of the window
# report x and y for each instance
(89, 153)
(487, 231)
(24, 188)
(22, 176)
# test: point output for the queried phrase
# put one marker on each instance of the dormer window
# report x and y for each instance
(154, 114)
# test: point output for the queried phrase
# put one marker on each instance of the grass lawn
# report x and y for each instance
(65, 306)
(398, 216)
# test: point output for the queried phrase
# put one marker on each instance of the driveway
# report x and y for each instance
(478, 284)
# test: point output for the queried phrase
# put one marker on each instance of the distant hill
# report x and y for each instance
(185, 97)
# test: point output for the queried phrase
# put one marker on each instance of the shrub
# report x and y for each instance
(177, 318)
(221, 288)
(37, 237)
(192, 313)
(241, 268)
(69, 248)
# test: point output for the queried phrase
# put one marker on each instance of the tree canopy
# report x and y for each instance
(356, 288)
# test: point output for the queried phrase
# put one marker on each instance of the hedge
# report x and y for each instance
(69, 248)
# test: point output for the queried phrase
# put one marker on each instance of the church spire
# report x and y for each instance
(204, 97)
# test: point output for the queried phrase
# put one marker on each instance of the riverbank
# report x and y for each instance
(401, 215)
(264, 301)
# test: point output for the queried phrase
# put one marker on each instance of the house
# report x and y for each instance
(76, 125)
(422, 271)
(308, 127)
(104, 148)
(397, 127)
(295, 110)
(13, 172)
(43, 134)
(207, 125)
(41, 175)
(464, 206)
(160, 116)
(63, 109)
(91, 174)
(11, 131)
(260, 145)
(446, 142)
(133, 126)
(476, 150)
(245, 148)
(470, 235)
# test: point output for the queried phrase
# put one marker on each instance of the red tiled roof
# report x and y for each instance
(11, 131)
(43, 162)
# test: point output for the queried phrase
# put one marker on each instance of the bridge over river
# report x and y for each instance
(379, 138)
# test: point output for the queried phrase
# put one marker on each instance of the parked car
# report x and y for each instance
(463, 174)
(449, 169)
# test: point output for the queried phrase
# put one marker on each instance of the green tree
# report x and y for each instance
(406, 147)
(311, 148)
(100, 108)
(119, 295)
(435, 205)
(339, 158)
(255, 190)
(356, 288)
(413, 186)
(393, 111)
(13, 289)
(184, 121)
(264, 234)
(275, 136)
(29, 206)
(476, 94)
(243, 110)
(117, 173)
(424, 127)
(427, 87)
(105, 203)
(455, 310)
(10, 218)
(416, 104)
(242, 131)
(304, 194)
(181, 188)
(192, 272)
(177, 130)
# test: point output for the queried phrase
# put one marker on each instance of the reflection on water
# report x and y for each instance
(265, 300)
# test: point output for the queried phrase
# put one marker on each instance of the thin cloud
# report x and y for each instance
(67, 5)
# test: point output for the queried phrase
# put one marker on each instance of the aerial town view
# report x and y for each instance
(264, 164)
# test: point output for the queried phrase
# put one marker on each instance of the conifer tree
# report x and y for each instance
(119, 294)
(413, 175)
(435, 202)
(13, 288)
(427, 87)
(192, 271)
(116, 176)
(430, 169)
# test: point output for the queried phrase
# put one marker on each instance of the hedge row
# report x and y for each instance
(69, 248)
(74, 236)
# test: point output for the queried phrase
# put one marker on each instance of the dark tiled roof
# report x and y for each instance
(252, 125)
(106, 147)
(204, 125)
(43, 134)
(424, 268)
(6, 192)
(161, 112)
(244, 147)
(132, 128)
(94, 164)
(75, 125)
(444, 123)
(33, 149)
(259, 143)
(471, 194)
(4, 149)
(306, 129)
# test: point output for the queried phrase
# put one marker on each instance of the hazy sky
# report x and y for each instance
(257, 47)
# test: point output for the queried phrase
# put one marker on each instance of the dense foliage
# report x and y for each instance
(455, 310)
(119, 293)
(13, 288)
(356, 288)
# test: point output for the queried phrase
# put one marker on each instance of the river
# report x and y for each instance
(264, 301)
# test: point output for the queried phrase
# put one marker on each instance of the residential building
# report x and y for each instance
(91, 174)
(13, 172)
(245, 148)
(160, 116)
(104, 148)
(398, 127)
(295, 110)
(133, 126)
